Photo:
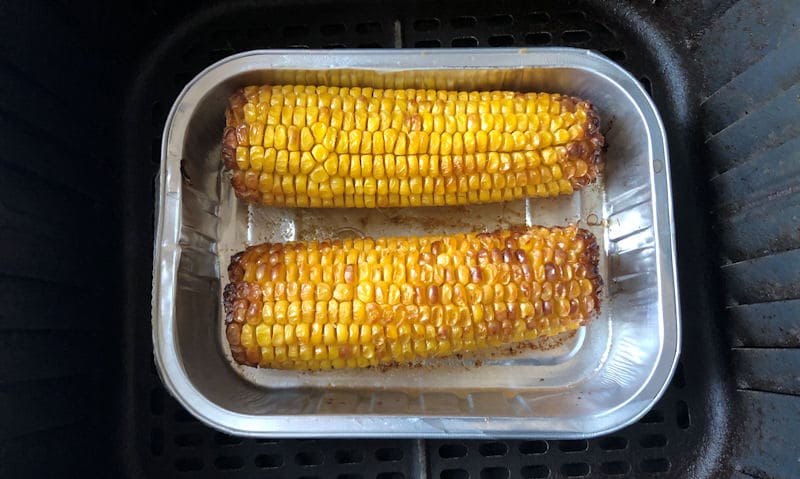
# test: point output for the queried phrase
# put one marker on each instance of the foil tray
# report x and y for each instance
(603, 377)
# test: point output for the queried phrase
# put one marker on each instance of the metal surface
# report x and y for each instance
(580, 389)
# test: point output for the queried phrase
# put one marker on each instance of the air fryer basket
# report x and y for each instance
(84, 92)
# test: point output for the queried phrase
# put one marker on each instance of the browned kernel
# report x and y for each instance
(475, 274)
(349, 274)
(234, 333)
(550, 271)
(433, 294)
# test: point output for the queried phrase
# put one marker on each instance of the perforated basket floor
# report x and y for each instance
(170, 441)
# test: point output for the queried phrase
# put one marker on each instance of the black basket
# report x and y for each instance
(84, 92)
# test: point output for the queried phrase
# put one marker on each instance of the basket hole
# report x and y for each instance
(348, 456)
(653, 440)
(495, 473)
(295, 31)
(228, 462)
(616, 55)
(463, 22)
(682, 415)
(388, 454)
(390, 475)
(647, 84)
(426, 24)
(451, 451)
(501, 40)
(655, 465)
(600, 27)
(156, 116)
(215, 55)
(260, 32)
(576, 36)
(222, 36)
(188, 464)
(454, 474)
(615, 468)
(500, 20)
(188, 440)
(653, 417)
(537, 17)
(680, 377)
(492, 449)
(428, 44)
(308, 458)
(181, 79)
(269, 461)
(612, 443)
(368, 28)
(332, 29)
(157, 441)
(538, 38)
(535, 471)
(155, 158)
(571, 16)
(575, 469)
(226, 440)
(533, 447)
(573, 446)
(463, 42)
(157, 395)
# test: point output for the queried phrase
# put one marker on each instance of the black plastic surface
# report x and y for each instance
(84, 91)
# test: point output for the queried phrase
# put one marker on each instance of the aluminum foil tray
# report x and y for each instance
(599, 379)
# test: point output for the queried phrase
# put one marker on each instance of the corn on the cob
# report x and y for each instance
(364, 302)
(316, 146)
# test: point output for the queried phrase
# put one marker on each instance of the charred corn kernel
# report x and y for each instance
(365, 302)
(409, 133)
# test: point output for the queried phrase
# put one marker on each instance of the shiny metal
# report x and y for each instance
(603, 378)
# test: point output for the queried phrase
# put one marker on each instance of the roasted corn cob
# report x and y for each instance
(364, 302)
(319, 146)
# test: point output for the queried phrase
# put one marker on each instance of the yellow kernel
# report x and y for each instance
(301, 332)
(342, 292)
(318, 130)
(319, 152)
(330, 140)
(294, 162)
(293, 312)
(366, 166)
(365, 292)
(318, 175)
(341, 333)
(331, 164)
(278, 338)
(353, 141)
(329, 334)
(306, 163)
(282, 162)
